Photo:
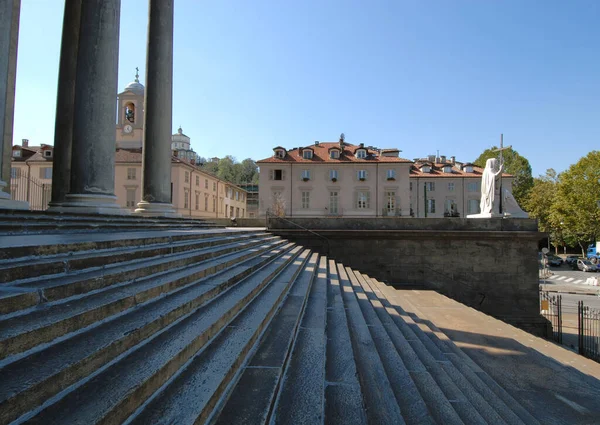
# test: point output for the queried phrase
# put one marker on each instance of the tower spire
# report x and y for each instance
(137, 74)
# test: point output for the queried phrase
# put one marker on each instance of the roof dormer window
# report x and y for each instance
(426, 169)
(334, 154)
(307, 154)
(361, 154)
(280, 153)
(447, 169)
(48, 154)
(17, 154)
(468, 168)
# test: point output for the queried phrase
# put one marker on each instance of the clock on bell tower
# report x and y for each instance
(130, 120)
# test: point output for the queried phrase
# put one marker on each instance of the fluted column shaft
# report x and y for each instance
(158, 108)
(63, 129)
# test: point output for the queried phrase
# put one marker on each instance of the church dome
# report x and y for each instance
(135, 86)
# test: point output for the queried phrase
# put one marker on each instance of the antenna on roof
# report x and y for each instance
(342, 137)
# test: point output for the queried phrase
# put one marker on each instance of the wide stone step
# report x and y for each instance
(376, 387)
(506, 405)
(21, 332)
(69, 360)
(56, 243)
(119, 388)
(264, 371)
(343, 397)
(301, 397)
(465, 374)
(412, 405)
(17, 295)
(70, 262)
(191, 396)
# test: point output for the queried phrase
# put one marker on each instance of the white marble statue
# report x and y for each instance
(510, 207)
(488, 185)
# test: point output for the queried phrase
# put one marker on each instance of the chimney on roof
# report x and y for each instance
(452, 159)
(316, 143)
(362, 145)
(25, 143)
(443, 159)
(431, 158)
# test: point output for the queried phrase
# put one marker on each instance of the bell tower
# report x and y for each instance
(130, 118)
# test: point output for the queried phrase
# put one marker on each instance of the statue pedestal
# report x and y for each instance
(486, 215)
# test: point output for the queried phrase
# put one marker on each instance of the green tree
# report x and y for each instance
(514, 164)
(226, 170)
(248, 171)
(540, 199)
(575, 210)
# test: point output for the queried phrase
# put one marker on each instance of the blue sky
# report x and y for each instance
(421, 76)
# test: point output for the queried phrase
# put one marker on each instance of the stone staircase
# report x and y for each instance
(221, 326)
(31, 222)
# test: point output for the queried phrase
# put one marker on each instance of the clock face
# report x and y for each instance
(128, 128)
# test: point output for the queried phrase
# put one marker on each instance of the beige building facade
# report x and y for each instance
(341, 179)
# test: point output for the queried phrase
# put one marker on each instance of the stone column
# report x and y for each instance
(9, 32)
(65, 100)
(93, 153)
(158, 105)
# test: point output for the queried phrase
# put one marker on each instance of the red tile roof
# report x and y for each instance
(437, 170)
(321, 155)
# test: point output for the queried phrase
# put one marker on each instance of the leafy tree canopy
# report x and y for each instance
(514, 164)
(575, 208)
(540, 199)
(230, 170)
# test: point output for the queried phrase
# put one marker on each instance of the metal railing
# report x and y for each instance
(551, 309)
(29, 189)
(588, 327)
(270, 216)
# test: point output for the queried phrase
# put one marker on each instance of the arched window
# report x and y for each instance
(130, 112)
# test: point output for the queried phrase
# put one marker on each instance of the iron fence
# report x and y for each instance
(29, 189)
(588, 326)
(551, 309)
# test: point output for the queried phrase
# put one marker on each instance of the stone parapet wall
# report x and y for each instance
(490, 265)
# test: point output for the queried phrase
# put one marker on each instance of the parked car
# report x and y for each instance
(586, 266)
(571, 259)
(553, 260)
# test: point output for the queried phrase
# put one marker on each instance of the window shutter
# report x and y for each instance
(282, 174)
(271, 172)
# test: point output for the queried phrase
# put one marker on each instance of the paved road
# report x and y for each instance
(564, 274)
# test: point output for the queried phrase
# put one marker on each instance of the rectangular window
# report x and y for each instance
(473, 206)
(362, 175)
(450, 207)
(391, 174)
(363, 200)
(237, 212)
(214, 204)
(410, 185)
(333, 202)
(333, 175)
(473, 187)
(197, 180)
(305, 200)
(187, 177)
(214, 186)
(15, 173)
(276, 175)
(361, 154)
(186, 198)
(390, 198)
(237, 195)
(206, 184)
(431, 206)
(46, 173)
(307, 154)
(130, 201)
(197, 201)
(131, 174)
(334, 154)
(430, 186)
(450, 187)
(305, 175)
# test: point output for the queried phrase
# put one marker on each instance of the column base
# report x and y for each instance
(89, 204)
(156, 209)
(11, 204)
